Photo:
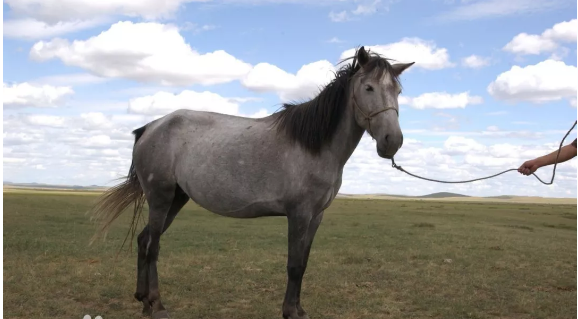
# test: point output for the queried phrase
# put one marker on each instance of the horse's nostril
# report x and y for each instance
(386, 138)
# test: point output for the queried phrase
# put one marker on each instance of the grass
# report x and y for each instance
(370, 259)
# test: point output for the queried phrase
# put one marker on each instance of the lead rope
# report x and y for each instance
(394, 165)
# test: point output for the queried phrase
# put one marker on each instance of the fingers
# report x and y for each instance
(525, 170)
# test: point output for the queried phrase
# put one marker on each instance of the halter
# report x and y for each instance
(371, 115)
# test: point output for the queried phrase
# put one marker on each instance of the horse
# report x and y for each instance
(289, 163)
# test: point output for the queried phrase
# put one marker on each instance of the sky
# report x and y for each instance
(493, 84)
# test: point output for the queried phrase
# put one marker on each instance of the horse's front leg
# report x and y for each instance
(302, 229)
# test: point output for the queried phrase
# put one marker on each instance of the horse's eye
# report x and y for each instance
(369, 88)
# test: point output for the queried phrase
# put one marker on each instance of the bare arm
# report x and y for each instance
(566, 153)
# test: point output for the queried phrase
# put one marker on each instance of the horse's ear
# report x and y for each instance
(400, 67)
(362, 56)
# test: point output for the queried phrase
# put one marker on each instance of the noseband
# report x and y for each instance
(371, 115)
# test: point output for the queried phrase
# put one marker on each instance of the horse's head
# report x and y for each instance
(375, 91)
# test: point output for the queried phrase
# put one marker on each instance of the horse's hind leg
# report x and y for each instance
(142, 281)
(163, 208)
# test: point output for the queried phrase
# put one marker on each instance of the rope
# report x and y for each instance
(394, 165)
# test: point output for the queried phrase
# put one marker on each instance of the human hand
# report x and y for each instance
(529, 167)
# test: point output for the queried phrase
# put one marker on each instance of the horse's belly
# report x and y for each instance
(228, 208)
(238, 202)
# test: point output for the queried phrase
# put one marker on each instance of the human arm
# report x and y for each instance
(566, 153)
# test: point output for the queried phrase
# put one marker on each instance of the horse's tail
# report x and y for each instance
(116, 199)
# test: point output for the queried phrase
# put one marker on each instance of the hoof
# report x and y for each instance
(147, 311)
(296, 316)
(161, 314)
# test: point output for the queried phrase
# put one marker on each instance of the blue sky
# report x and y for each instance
(494, 82)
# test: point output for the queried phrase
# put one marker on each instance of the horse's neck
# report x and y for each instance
(347, 137)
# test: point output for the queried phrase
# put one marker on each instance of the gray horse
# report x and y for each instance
(287, 164)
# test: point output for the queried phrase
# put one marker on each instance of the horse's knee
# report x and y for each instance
(143, 239)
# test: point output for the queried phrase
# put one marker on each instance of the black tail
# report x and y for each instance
(116, 199)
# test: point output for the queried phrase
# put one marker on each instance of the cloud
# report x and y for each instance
(27, 95)
(543, 82)
(44, 120)
(196, 29)
(440, 100)
(548, 41)
(54, 11)
(72, 79)
(339, 16)
(306, 83)
(163, 103)
(475, 62)
(32, 29)
(485, 9)
(144, 52)
(459, 145)
(260, 114)
(366, 9)
(425, 54)
(335, 40)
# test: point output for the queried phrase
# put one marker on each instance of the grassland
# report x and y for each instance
(371, 259)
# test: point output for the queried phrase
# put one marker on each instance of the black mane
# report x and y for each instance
(314, 123)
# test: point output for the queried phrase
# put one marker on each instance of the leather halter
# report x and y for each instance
(371, 115)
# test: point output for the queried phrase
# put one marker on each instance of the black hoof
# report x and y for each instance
(161, 314)
(147, 310)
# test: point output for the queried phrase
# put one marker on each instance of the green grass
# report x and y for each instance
(370, 259)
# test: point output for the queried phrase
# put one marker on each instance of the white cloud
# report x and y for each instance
(459, 145)
(548, 41)
(45, 120)
(525, 43)
(163, 103)
(546, 81)
(563, 31)
(196, 29)
(363, 8)
(259, 114)
(54, 11)
(73, 79)
(440, 100)
(32, 29)
(425, 54)
(475, 62)
(339, 16)
(366, 9)
(27, 95)
(483, 9)
(145, 52)
(335, 40)
(306, 83)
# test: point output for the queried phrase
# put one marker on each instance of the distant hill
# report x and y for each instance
(433, 195)
(442, 195)
(51, 186)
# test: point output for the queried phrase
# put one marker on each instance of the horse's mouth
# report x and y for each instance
(384, 154)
